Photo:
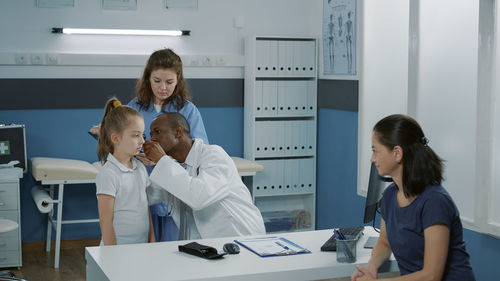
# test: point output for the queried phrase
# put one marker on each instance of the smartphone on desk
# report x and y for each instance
(370, 243)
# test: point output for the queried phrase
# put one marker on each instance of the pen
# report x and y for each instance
(341, 235)
(282, 246)
(286, 250)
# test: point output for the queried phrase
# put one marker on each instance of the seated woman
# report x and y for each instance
(420, 223)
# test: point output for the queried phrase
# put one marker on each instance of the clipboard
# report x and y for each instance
(272, 246)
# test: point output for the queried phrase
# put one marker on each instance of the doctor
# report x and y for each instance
(206, 193)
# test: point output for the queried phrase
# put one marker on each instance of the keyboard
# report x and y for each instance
(353, 232)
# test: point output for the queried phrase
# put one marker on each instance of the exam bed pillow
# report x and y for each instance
(244, 165)
(45, 168)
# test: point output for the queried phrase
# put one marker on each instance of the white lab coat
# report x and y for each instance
(220, 203)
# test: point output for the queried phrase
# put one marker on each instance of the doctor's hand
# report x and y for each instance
(142, 157)
(96, 130)
(153, 151)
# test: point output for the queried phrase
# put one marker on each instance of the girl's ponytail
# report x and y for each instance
(115, 120)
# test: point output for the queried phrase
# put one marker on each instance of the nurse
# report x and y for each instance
(161, 89)
(200, 182)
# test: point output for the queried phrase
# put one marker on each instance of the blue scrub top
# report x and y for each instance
(189, 111)
(405, 230)
(193, 117)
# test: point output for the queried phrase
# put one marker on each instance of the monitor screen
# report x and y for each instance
(376, 185)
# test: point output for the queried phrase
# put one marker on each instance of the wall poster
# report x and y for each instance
(339, 37)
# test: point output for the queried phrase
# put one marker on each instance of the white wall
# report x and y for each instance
(447, 92)
(24, 28)
(492, 193)
(445, 82)
(383, 72)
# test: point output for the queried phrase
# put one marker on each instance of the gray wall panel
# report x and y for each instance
(216, 92)
(63, 93)
(93, 93)
(338, 94)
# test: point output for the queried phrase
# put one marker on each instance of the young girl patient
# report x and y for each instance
(121, 183)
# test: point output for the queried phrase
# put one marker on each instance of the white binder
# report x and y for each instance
(311, 137)
(273, 59)
(285, 58)
(261, 48)
(288, 139)
(260, 139)
(303, 137)
(269, 98)
(299, 59)
(258, 105)
(311, 98)
(306, 174)
(272, 176)
(301, 96)
(283, 99)
(267, 60)
(292, 178)
(309, 48)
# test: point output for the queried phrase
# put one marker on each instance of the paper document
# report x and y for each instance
(272, 246)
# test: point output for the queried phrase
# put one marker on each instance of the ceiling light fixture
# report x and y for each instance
(99, 31)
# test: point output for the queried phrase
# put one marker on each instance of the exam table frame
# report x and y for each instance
(58, 221)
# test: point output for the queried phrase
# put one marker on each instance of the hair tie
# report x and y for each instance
(117, 103)
(424, 140)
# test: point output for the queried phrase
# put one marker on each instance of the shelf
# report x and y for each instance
(280, 124)
(284, 38)
(293, 230)
(284, 78)
(285, 194)
(284, 157)
(284, 118)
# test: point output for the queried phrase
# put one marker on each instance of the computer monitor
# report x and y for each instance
(376, 186)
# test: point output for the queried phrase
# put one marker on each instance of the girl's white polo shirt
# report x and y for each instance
(128, 187)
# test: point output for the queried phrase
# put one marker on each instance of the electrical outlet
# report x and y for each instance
(37, 59)
(220, 61)
(194, 61)
(21, 58)
(208, 61)
(52, 59)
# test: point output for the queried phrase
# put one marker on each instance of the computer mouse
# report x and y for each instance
(231, 248)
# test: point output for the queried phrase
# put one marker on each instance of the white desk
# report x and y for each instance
(163, 261)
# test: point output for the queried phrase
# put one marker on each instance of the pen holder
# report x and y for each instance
(346, 250)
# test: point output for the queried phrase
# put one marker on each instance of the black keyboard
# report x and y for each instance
(353, 232)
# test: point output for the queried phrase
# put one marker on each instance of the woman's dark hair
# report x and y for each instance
(115, 120)
(162, 59)
(421, 165)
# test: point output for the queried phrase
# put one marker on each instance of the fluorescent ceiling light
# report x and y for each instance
(99, 31)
